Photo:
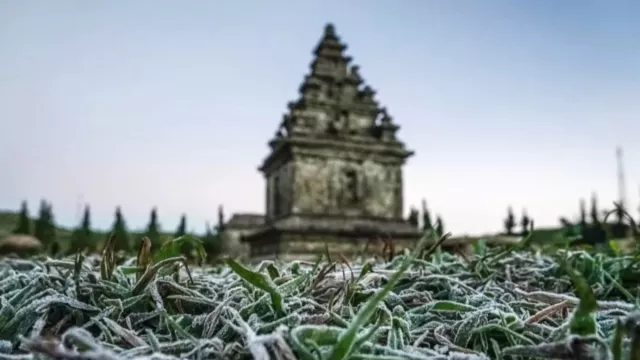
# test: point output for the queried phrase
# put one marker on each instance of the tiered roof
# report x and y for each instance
(334, 99)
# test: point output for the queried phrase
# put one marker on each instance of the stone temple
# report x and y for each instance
(333, 174)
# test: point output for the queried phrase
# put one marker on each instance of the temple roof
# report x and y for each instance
(334, 100)
(335, 107)
(245, 221)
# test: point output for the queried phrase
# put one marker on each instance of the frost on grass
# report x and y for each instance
(521, 305)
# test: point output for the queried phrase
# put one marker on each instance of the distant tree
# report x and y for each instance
(186, 247)
(122, 240)
(570, 229)
(219, 228)
(565, 222)
(86, 220)
(220, 225)
(619, 212)
(45, 229)
(82, 237)
(595, 217)
(619, 228)
(583, 213)
(510, 221)
(182, 227)
(211, 242)
(153, 230)
(41, 221)
(439, 228)
(638, 221)
(24, 223)
(50, 232)
(426, 217)
(413, 218)
(525, 222)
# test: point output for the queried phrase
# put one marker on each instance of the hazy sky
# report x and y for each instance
(171, 104)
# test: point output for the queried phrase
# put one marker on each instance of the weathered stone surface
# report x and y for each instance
(235, 229)
(279, 191)
(244, 221)
(309, 246)
(344, 246)
(232, 244)
(354, 226)
(336, 186)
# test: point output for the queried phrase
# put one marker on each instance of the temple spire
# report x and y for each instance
(330, 61)
(329, 30)
(334, 100)
(330, 44)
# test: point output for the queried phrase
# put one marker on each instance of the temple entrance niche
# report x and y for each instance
(351, 195)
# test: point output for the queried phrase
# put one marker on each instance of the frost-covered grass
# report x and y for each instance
(420, 305)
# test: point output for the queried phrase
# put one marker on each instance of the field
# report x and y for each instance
(510, 303)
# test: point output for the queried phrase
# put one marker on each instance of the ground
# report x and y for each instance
(494, 303)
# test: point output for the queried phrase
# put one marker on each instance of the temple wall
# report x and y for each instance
(347, 246)
(309, 247)
(320, 187)
(231, 244)
(284, 191)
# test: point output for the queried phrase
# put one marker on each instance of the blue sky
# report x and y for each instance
(171, 104)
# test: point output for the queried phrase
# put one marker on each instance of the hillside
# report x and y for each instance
(9, 220)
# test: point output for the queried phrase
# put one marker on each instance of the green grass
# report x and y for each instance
(490, 305)
(8, 221)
